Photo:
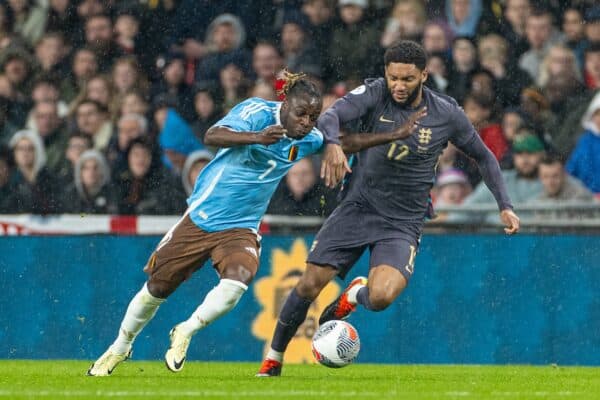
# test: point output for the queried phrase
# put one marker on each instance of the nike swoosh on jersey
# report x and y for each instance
(383, 119)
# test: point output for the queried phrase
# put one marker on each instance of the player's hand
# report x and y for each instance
(511, 221)
(271, 135)
(410, 125)
(334, 165)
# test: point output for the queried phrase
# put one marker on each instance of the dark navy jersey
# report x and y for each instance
(395, 178)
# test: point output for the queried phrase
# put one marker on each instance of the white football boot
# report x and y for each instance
(175, 356)
(107, 362)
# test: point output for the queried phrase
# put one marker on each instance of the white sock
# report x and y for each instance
(141, 309)
(353, 292)
(219, 301)
(275, 355)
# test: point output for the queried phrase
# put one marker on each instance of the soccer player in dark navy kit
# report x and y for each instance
(405, 128)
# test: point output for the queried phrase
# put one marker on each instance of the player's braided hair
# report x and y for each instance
(295, 84)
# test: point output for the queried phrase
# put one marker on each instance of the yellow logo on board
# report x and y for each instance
(271, 292)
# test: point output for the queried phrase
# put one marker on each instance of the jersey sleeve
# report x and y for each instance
(350, 107)
(464, 131)
(251, 115)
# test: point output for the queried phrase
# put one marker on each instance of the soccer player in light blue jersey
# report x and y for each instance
(259, 142)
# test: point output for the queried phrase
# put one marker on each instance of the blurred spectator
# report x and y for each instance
(144, 187)
(592, 23)
(6, 25)
(29, 18)
(480, 113)
(494, 57)
(76, 145)
(353, 43)
(574, 29)
(176, 138)
(584, 162)
(62, 17)
(541, 35)
(266, 62)
(463, 16)
(464, 62)
(127, 28)
(99, 88)
(129, 128)
(299, 53)
(34, 187)
(437, 37)
(513, 30)
(536, 109)
(92, 119)
(321, 15)
(234, 86)
(437, 68)
(45, 88)
(225, 40)
(208, 109)
(264, 91)
(172, 83)
(90, 192)
(451, 188)
(127, 76)
(134, 102)
(522, 183)
(6, 189)
(17, 66)
(592, 66)
(299, 193)
(50, 52)
(99, 38)
(50, 128)
(7, 128)
(194, 164)
(568, 101)
(560, 60)
(84, 66)
(407, 21)
(557, 184)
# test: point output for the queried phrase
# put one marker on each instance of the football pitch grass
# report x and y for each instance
(59, 379)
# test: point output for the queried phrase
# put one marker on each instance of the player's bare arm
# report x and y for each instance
(221, 136)
(356, 142)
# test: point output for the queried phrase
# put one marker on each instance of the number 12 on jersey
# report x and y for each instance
(396, 152)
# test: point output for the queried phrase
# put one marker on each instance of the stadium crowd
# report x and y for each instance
(104, 104)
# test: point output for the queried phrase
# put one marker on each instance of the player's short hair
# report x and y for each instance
(406, 52)
(298, 84)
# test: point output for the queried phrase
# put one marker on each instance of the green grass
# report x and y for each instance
(151, 380)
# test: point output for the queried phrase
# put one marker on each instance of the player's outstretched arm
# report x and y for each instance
(356, 142)
(222, 136)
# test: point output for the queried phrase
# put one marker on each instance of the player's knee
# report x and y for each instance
(309, 287)
(238, 272)
(380, 299)
(160, 289)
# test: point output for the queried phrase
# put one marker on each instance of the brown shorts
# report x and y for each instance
(185, 248)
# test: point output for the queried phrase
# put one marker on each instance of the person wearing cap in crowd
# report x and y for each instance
(353, 48)
(522, 183)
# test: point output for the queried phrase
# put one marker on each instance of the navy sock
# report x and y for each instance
(362, 297)
(292, 315)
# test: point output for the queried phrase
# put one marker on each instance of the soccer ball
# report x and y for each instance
(335, 344)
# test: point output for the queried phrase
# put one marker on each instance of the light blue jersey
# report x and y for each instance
(234, 189)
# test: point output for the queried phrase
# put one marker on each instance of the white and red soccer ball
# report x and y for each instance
(335, 344)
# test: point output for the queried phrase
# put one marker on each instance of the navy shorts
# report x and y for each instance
(352, 228)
